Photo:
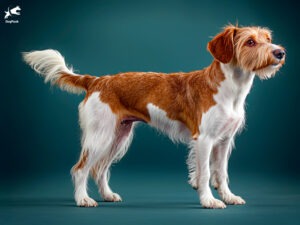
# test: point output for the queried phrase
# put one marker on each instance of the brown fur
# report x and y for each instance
(84, 81)
(222, 46)
(183, 96)
(82, 161)
(250, 58)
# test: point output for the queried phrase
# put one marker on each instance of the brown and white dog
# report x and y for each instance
(204, 109)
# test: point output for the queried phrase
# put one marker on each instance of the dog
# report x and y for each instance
(204, 109)
(13, 11)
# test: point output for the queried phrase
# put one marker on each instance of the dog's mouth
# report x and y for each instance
(268, 71)
(276, 65)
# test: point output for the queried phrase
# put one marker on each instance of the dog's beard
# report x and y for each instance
(268, 71)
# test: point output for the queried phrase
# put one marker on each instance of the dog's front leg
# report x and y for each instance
(219, 175)
(203, 147)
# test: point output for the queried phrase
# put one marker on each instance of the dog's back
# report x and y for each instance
(203, 108)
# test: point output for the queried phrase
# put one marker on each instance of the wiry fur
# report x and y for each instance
(175, 130)
(204, 109)
(50, 64)
(259, 62)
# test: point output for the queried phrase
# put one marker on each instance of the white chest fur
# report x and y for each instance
(220, 121)
(227, 116)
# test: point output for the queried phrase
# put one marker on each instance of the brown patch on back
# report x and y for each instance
(183, 96)
(82, 161)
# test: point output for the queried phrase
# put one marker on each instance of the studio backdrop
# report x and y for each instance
(39, 124)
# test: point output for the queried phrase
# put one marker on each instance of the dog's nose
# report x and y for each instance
(279, 53)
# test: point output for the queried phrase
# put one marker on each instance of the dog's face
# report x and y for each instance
(249, 48)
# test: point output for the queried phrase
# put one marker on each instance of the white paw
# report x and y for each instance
(212, 203)
(112, 197)
(193, 183)
(87, 202)
(214, 182)
(231, 199)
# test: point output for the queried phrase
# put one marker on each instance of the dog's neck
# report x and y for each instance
(236, 85)
(240, 78)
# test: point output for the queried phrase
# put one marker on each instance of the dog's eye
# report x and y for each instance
(250, 43)
(268, 39)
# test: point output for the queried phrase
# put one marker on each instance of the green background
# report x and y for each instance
(40, 136)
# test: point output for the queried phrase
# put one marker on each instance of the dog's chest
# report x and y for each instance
(221, 122)
(227, 116)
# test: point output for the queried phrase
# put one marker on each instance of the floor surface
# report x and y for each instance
(149, 198)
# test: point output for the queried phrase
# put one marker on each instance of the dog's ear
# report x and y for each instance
(221, 46)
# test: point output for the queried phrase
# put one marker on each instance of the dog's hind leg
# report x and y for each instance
(100, 172)
(80, 172)
(98, 134)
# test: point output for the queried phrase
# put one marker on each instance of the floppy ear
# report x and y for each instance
(221, 46)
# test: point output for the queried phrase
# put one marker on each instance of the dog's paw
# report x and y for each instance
(194, 184)
(212, 203)
(112, 197)
(214, 182)
(87, 202)
(231, 199)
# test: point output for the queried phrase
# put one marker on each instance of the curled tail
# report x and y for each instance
(51, 65)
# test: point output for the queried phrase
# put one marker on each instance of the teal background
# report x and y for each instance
(40, 137)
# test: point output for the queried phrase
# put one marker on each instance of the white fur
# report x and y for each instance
(105, 141)
(98, 124)
(217, 130)
(208, 158)
(175, 130)
(269, 71)
(210, 153)
(50, 64)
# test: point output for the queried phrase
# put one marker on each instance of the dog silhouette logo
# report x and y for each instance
(10, 14)
(14, 11)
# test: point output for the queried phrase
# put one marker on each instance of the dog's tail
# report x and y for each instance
(51, 65)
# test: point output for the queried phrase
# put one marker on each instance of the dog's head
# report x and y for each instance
(249, 48)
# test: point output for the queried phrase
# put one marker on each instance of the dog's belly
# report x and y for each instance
(216, 123)
(176, 130)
